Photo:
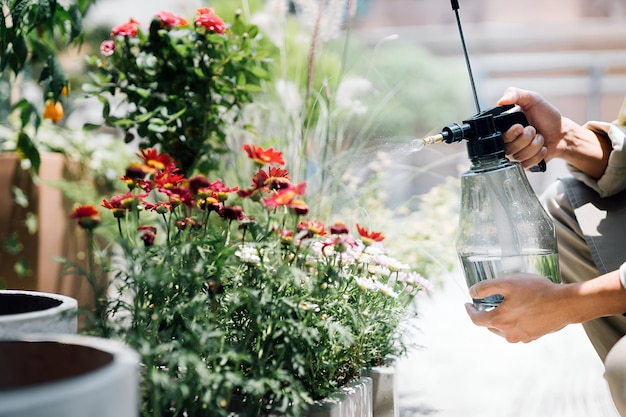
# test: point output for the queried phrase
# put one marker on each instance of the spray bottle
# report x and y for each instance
(503, 228)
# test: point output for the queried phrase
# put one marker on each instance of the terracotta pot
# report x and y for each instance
(25, 312)
(69, 376)
(56, 234)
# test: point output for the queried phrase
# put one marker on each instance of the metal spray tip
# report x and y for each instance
(429, 140)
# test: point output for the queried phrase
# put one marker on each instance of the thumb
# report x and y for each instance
(484, 289)
(525, 99)
(510, 96)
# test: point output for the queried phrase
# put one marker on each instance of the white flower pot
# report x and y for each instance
(69, 376)
(26, 312)
(384, 391)
(354, 400)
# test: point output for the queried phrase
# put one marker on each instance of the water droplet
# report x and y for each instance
(416, 145)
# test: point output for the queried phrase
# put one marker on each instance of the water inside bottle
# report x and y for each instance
(482, 267)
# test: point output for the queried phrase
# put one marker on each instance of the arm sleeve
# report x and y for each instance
(614, 178)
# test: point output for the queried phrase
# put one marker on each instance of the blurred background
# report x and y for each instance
(572, 51)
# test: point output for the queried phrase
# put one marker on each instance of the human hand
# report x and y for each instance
(538, 141)
(531, 307)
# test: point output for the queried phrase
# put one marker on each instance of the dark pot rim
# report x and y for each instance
(20, 303)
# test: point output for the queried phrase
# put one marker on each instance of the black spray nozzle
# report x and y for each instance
(486, 140)
(502, 116)
(483, 132)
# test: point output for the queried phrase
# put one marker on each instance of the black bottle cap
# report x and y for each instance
(487, 140)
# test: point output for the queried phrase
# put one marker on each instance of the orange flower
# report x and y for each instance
(369, 237)
(264, 156)
(88, 216)
(53, 111)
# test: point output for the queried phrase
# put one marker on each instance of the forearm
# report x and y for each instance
(584, 149)
(599, 297)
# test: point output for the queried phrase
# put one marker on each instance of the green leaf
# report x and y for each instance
(21, 267)
(88, 127)
(28, 148)
(176, 116)
(53, 75)
(20, 53)
(76, 19)
(12, 244)
(259, 72)
(26, 110)
(157, 125)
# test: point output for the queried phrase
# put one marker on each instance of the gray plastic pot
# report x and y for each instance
(26, 312)
(69, 376)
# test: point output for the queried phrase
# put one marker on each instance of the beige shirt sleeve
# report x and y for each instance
(614, 178)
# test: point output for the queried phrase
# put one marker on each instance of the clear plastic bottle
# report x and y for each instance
(503, 228)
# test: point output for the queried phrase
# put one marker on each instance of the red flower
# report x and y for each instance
(233, 213)
(219, 190)
(286, 196)
(168, 180)
(107, 48)
(126, 29)
(197, 183)
(314, 228)
(188, 223)
(156, 161)
(147, 234)
(299, 207)
(161, 207)
(275, 178)
(210, 21)
(119, 204)
(179, 195)
(137, 170)
(264, 156)
(286, 236)
(88, 216)
(170, 20)
(210, 204)
(369, 237)
(340, 243)
(339, 228)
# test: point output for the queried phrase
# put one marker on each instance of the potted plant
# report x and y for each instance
(178, 85)
(234, 295)
(236, 299)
